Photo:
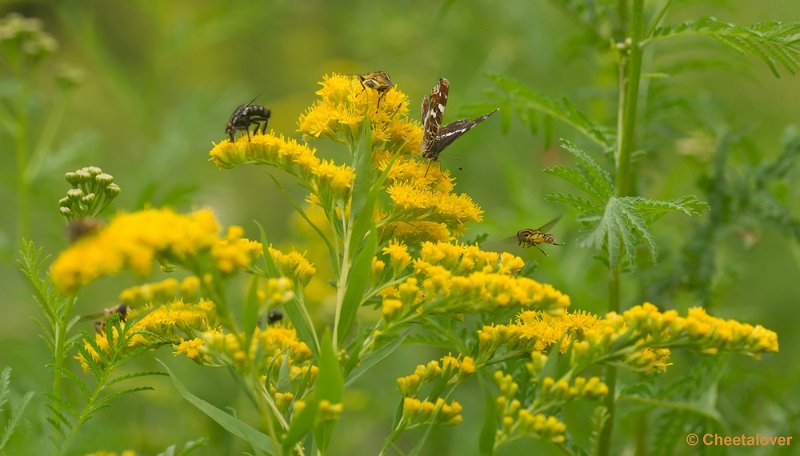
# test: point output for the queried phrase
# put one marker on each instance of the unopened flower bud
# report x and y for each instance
(89, 199)
(104, 179)
(75, 194)
(112, 190)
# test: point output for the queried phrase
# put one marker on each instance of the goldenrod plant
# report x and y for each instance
(391, 233)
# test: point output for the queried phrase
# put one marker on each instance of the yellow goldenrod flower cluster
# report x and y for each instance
(456, 278)
(234, 251)
(328, 411)
(417, 412)
(135, 241)
(267, 349)
(449, 371)
(641, 337)
(563, 391)
(294, 265)
(162, 291)
(164, 323)
(518, 421)
(412, 203)
(276, 292)
(343, 106)
(322, 177)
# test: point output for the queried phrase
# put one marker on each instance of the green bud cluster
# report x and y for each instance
(92, 191)
(23, 41)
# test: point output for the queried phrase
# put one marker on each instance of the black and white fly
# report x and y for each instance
(435, 137)
(246, 115)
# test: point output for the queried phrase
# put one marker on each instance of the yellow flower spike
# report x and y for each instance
(190, 348)
(132, 241)
(190, 288)
(278, 151)
(293, 265)
(391, 308)
(338, 179)
(398, 256)
(328, 411)
(377, 268)
(414, 232)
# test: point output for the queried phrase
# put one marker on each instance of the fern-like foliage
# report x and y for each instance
(513, 96)
(775, 43)
(15, 414)
(617, 224)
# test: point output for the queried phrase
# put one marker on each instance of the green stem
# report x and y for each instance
(604, 443)
(629, 76)
(341, 284)
(21, 152)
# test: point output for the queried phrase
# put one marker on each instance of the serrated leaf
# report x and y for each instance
(525, 99)
(260, 441)
(775, 43)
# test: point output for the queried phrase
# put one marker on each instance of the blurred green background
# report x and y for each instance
(160, 79)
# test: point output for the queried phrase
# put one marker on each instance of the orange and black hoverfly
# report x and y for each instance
(533, 237)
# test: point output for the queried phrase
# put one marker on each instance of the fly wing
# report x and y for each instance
(432, 111)
(544, 228)
(450, 132)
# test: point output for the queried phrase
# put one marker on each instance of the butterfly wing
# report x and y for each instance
(433, 106)
(450, 132)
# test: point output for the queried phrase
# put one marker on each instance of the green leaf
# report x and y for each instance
(525, 99)
(360, 207)
(374, 358)
(301, 425)
(260, 442)
(250, 311)
(269, 262)
(357, 282)
(488, 432)
(775, 43)
(330, 387)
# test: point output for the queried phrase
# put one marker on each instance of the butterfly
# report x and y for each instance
(529, 237)
(435, 137)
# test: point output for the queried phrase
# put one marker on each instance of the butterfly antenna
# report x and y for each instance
(428, 168)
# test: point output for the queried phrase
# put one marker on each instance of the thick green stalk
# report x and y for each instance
(629, 74)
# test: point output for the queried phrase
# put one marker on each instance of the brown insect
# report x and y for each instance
(378, 81)
(435, 136)
(81, 227)
(102, 317)
(533, 237)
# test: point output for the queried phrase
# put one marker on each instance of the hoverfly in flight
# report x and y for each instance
(533, 237)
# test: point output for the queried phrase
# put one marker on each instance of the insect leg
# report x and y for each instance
(540, 249)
